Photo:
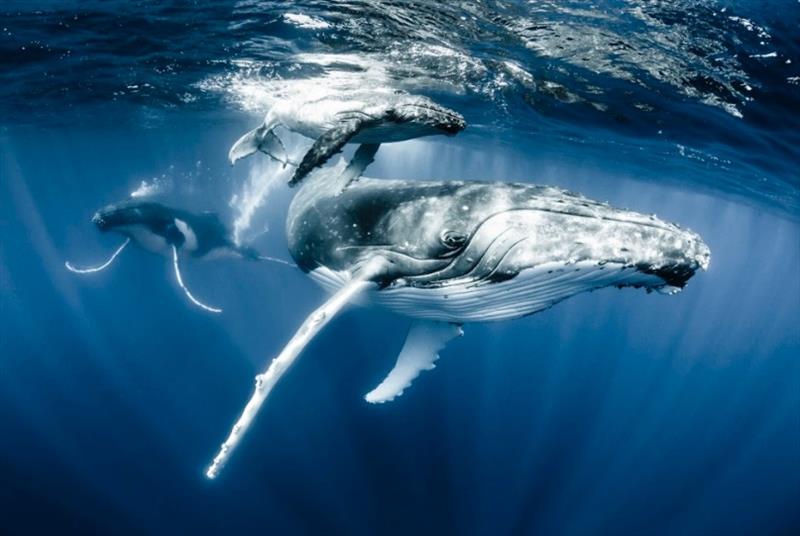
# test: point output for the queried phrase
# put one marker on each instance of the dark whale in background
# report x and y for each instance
(169, 231)
(156, 227)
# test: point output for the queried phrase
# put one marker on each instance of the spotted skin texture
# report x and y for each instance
(454, 237)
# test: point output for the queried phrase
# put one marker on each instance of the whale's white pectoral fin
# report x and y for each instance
(327, 145)
(186, 290)
(101, 267)
(312, 325)
(260, 139)
(424, 341)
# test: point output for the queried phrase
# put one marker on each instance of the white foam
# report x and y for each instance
(154, 186)
(254, 87)
(306, 22)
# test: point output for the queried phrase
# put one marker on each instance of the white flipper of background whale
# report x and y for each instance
(278, 367)
(102, 266)
(186, 290)
(424, 341)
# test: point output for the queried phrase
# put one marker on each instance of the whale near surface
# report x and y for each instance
(336, 119)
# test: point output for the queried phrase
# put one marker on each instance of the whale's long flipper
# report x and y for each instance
(365, 155)
(278, 367)
(425, 339)
(326, 146)
(183, 287)
(101, 267)
(260, 139)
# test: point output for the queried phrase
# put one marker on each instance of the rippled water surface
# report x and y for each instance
(615, 412)
(711, 85)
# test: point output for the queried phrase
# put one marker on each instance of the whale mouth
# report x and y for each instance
(674, 276)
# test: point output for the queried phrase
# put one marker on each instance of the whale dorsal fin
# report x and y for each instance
(424, 341)
(327, 145)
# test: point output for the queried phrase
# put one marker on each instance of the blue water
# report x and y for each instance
(615, 412)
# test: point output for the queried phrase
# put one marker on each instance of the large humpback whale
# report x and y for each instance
(449, 253)
(169, 231)
(335, 120)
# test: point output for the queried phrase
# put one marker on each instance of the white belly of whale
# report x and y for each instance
(533, 290)
(147, 239)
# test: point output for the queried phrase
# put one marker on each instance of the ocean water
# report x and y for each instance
(614, 412)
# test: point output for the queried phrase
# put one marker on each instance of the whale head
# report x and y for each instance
(119, 216)
(113, 217)
(487, 251)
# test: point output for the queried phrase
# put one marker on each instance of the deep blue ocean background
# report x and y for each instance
(615, 412)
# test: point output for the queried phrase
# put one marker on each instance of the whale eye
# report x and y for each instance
(452, 239)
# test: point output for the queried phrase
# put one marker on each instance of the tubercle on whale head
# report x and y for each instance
(112, 216)
(103, 219)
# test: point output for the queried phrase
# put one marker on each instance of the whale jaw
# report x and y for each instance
(531, 291)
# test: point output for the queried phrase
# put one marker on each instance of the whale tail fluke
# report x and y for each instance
(260, 139)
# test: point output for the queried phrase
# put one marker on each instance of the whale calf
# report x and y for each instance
(335, 120)
(169, 231)
(450, 253)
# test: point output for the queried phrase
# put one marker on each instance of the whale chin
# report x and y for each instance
(530, 291)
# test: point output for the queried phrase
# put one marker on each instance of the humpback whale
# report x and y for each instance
(169, 231)
(450, 253)
(335, 120)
